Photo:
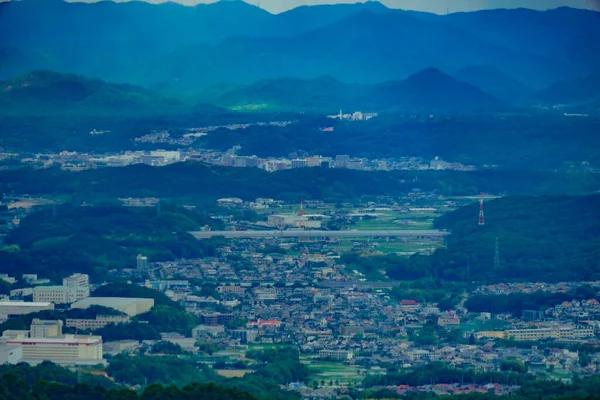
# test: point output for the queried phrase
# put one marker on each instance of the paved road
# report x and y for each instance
(309, 233)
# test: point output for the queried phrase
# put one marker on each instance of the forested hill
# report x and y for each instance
(96, 239)
(540, 238)
(208, 183)
(46, 93)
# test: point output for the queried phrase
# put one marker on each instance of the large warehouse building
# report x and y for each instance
(45, 342)
(128, 305)
(23, 307)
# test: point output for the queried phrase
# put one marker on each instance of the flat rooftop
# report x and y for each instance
(63, 339)
(110, 300)
(25, 303)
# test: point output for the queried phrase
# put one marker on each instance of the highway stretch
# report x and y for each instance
(321, 233)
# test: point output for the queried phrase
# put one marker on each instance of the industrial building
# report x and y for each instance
(60, 294)
(128, 305)
(22, 307)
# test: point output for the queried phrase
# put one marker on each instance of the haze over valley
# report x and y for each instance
(223, 201)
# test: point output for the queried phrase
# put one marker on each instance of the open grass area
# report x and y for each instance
(233, 373)
(405, 247)
(332, 371)
(393, 246)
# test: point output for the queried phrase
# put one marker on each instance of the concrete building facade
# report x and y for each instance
(22, 307)
(60, 294)
(77, 280)
(128, 305)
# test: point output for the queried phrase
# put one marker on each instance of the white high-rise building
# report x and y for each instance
(142, 262)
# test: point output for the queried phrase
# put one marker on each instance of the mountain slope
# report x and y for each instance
(366, 48)
(429, 90)
(49, 93)
(181, 47)
(324, 93)
(232, 41)
(495, 82)
(565, 249)
(565, 36)
(112, 40)
(574, 92)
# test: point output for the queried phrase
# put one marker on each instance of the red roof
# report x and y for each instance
(409, 303)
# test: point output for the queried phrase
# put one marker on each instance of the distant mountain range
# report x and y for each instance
(50, 93)
(189, 48)
(40, 93)
(495, 82)
(429, 90)
(579, 92)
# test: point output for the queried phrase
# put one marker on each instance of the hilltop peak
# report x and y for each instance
(429, 75)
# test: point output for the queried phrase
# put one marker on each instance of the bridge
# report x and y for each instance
(321, 234)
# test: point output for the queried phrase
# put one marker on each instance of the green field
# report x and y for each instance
(332, 371)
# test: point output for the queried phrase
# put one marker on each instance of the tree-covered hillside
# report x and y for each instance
(540, 238)
(429, 90)
(546, 238)
(96, 239)
(205, 184)
(537, 141)
(43, 93)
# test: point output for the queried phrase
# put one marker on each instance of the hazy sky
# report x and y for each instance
(435, 6)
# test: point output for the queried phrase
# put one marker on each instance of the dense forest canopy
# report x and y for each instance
(205, 184)
(546, 238)
(92, 240)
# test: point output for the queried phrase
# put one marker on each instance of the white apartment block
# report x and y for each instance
(45, 328)
(77, 280)
(557, 333)
(338, 355)
(60, 294)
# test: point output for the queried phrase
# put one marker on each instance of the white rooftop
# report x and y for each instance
(102, 301)
(25, 303)
(64, 339)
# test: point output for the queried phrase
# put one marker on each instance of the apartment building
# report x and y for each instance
(337, 355)
(77, 280)
(555, 332)
(45, 341)
(100, 322)
(60, 294)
